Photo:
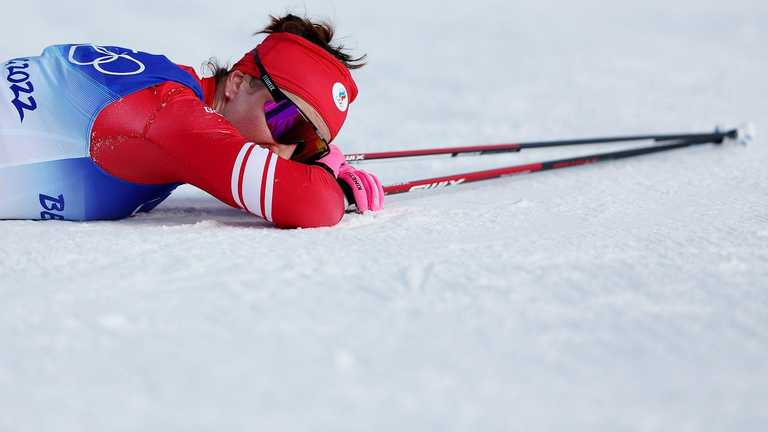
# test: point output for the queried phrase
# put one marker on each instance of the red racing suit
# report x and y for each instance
(165, 134)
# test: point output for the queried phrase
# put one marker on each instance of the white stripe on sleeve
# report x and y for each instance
(269, 189)
(252, 177)
(236, 173)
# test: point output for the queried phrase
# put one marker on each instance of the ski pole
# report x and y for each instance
(452, 180)
(714, 137)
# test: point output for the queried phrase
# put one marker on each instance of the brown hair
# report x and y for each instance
(320, 34)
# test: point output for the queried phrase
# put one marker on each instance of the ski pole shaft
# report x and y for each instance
(713, 137)
(452, 180)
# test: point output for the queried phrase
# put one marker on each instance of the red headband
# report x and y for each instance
(301, 68)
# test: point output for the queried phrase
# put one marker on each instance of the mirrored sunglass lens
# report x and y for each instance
(281, 118)
(289, 126)
(311, 150)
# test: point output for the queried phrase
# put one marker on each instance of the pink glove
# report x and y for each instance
(362, 188)
(333, 160)
(365, 188)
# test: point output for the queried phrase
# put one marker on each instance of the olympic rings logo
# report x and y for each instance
(107, 57)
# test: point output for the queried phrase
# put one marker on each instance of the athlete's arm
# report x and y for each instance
(165, 134)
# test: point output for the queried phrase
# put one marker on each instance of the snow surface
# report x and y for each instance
(626, 296)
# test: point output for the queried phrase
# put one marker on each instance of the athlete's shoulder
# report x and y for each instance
(190, 70)
(208, 85)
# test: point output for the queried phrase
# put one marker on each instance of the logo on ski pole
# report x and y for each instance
(130, 65)
(354, 157)
(435, 185)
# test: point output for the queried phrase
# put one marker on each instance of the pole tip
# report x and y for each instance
(746, 133)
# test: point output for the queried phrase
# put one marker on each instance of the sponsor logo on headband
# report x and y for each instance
(340, 96)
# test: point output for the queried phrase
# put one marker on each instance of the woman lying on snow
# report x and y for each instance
(90, 132)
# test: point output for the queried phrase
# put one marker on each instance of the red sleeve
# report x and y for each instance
(165, 134)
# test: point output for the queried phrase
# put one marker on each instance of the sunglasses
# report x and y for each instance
(288, 124)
